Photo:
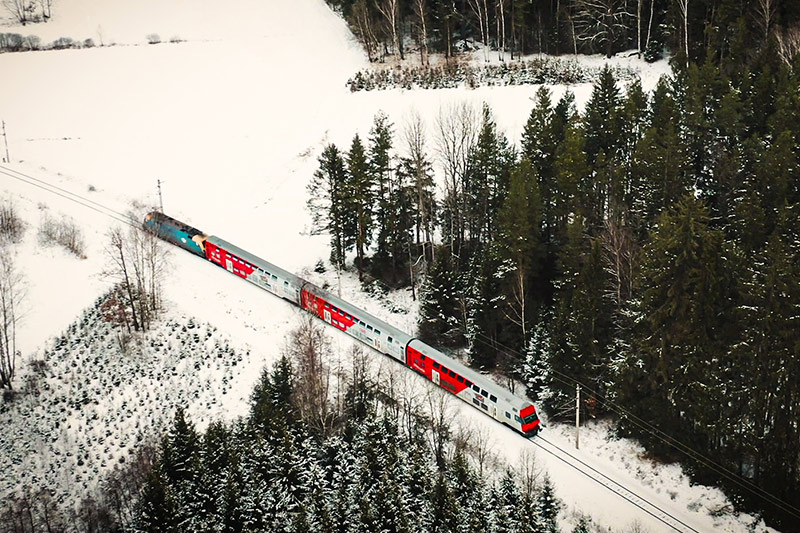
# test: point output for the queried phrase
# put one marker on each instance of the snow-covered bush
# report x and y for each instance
(64, 232)
(11, 225)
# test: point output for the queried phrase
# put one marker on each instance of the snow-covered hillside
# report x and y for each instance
(231, 120)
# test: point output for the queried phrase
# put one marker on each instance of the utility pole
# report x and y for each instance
(577, 415)
(5, 139)
(160, 200)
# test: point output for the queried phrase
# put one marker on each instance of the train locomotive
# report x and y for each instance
(443, 370)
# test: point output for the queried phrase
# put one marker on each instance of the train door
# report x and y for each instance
(228, 264)
(378, 344)
(327, 315)
(435, 376)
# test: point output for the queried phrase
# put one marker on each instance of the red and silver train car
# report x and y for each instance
(443, 370)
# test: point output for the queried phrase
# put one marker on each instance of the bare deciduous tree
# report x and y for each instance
(390, 10)
(601, 22)
(440, 421)
(420, 8)
(530, 473)
(620, 256)
(366, 28)
(21, 10)
(481, 11)
(138, 265)
(457, 133)
(788, 42)
(307, 345)
(12, 294)
(414, 134)
(683, 7)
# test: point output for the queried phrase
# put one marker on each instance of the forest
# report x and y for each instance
(729, 28)
(368, 468)
(647, 247)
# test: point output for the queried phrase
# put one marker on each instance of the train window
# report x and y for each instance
(361, 323)
(436, 365)
(476, 402)
(476, 389)
(484, 392)
(285, 283)
(468, 382)
(484, 407)
(518, 419)
(377, 332)
(274, 277)
(369, 328)
(493, 398)
(390, 341)
(444, 369)
(460, 379)
(422, 356)
(508, 415)
(451, 373)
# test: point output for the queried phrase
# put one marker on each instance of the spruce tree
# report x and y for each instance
(380, 165)
(361, 192)
(328, 203)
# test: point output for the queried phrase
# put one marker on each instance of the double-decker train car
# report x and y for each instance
(444, 371)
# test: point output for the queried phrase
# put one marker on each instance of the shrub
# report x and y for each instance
(63, 43)
(11, 226)
(63, 232)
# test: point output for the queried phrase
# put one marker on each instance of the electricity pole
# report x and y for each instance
(160, 200)
(577, 416)
(5, 139)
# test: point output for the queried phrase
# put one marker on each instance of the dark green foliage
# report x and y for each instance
(270, 401)
(370, 475)
(329, 203)
(361, 197)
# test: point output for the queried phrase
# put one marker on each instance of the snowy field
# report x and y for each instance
(231, 120)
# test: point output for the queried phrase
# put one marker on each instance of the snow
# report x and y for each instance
(232, 120)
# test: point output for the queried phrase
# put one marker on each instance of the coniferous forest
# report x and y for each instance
(280, 469)
(647, 247)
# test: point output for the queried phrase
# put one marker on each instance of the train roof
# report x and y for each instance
(357, 312)
(300, 282)
(250, 258)
(484, 381)
(476, 377)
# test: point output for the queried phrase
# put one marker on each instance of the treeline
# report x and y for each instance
(648, 248)
(383, 466)
(520, 27)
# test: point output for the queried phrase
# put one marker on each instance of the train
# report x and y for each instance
(449, 374)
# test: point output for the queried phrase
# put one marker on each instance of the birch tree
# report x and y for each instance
(420, 8)
(683, 7)
(391, 12)
(457, 128)
(12, 294)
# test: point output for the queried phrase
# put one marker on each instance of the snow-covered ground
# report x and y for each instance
(232, 120)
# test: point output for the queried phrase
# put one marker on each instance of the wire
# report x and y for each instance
(618, 492)
(68, 195)
(510, 352)
(660, 435)
(647, 427)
